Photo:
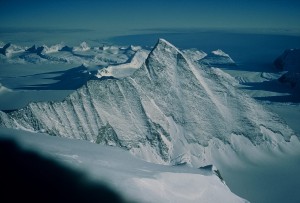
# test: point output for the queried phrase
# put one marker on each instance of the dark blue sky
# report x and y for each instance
(123, 15)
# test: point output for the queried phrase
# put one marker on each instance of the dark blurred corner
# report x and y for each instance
(28, 177)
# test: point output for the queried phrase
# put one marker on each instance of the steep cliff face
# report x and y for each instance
(169, 111)
(290, 61)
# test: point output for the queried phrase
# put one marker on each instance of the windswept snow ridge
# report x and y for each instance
(83, 47)
(4, 89)
(133, 178)
(52, 49)
(194, 54)
(171, 111)
(126, 69)
(218, 57)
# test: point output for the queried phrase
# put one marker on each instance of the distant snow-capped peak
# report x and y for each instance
(219, 52)
(82, 47)
(218, 57)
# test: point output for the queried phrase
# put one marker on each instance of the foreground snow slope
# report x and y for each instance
(171, 111)
(133, 178)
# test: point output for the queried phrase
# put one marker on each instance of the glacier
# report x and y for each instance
(172, 110)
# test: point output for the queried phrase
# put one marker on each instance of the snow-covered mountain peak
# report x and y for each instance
(165, 42)
(219, 52)
(163, 45)
(4, 89)
(52, 49)
(82, 47)
(171, 110)
(163, 59)
(218, 57)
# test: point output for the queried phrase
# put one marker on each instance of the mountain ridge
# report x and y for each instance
(170, 111)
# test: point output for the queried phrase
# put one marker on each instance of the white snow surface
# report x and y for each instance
(52, 49)
(14, 49)
(134, 179)
(218, 57)
(4, 89)
(194, 54)
(171, 110)
(125, 69)
(62, 54)
(219, 52)
(83, 47)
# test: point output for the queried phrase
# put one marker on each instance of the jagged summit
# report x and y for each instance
(165, 43)
(163, 58)
(171, 110)
(36, 50)
(163, 46)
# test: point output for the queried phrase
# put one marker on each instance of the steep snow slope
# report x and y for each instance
(194, 54)
(52, 49)
(3, 50)
(218, 57)
(82, 47)
(170, 111)
(4, 89)
(125, 69)
(135, 179)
